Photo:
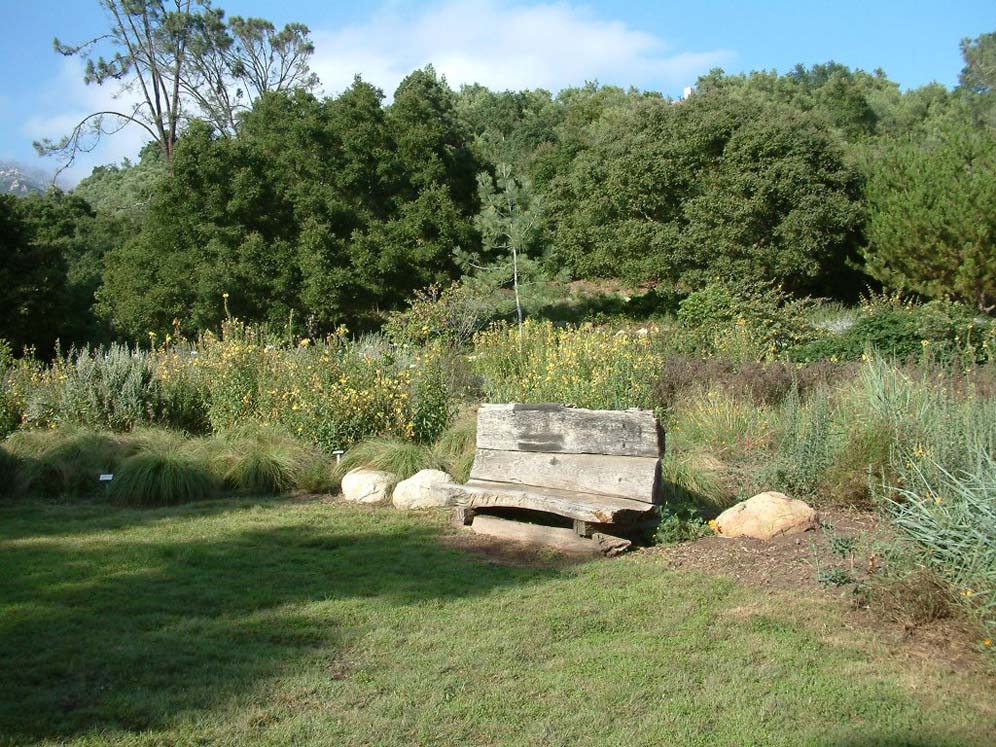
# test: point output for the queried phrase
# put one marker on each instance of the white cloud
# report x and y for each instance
(504, 45)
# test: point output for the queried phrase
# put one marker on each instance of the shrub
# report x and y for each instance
(430, 399)
(901, 329)
(20, 378)
(106, 388)
(807, 445)
(584, 366)
(9, 469)
(680, 523)
(451, 316)
(743, 322)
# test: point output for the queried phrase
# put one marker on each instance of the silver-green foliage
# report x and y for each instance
(952, 517)
(110, 388)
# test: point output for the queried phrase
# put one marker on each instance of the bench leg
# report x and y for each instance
(582, 528)
(463, 516)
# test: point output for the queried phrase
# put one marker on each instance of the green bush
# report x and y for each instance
(10, 467)
(743, 322)
(807, 446)
(939, 331)
(680, 523)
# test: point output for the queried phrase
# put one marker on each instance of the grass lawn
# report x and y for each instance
(297, 623)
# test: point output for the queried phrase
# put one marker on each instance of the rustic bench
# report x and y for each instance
(598, 468)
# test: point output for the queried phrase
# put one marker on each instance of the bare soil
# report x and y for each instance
(789, 564)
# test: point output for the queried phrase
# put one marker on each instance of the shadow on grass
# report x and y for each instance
(129, 631)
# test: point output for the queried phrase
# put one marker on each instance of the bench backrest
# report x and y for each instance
(608, 452)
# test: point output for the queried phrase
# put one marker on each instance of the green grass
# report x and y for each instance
(275, 622)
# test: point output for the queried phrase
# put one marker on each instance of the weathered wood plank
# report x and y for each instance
(564, 540)
(595, 509)
(623, 476)
(558, 429)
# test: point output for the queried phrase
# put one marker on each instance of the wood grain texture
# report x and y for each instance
(624, 476)
(596, 509)
(564, 540)
(558, 429)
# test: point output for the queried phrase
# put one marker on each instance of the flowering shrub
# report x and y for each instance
(584, 366)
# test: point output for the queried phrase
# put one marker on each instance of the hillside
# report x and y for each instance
(16, 179)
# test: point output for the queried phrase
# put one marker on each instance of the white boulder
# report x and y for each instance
(423, 490)
(367, 485)
(765, 516)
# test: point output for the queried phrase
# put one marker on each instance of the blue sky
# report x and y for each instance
(507, 44)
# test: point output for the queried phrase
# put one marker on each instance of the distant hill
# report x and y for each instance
(19, 180)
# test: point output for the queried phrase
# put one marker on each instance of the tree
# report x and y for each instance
(932, 213)
(718, 184)
(978, 77)
(237, 62)
(33, 276)
(510, 223)
(171, 59)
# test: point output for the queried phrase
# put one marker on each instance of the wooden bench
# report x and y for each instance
(598, 468)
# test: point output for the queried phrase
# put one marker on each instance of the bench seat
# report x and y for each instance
(587, 507)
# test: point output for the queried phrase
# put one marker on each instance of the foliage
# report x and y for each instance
(319, 213)
(584, 366)
(162, 474)
(33, 278)
(105, 389)
(261, 460)
(931, 201)
(939, 330)
(742, 321)
(60, 464)
(951, 516)
(807, 445)
(680, 523)
(452, 452)
(671, 192)
(176, 59)
(451, 315)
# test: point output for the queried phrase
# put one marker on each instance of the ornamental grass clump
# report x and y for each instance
(164, 472)
(65, 463)
(262, 460)
(951, 516)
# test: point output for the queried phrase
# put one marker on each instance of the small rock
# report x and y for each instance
(367, 485)
(423, 490)
(765, 516)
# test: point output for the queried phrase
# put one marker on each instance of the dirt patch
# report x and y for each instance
(792, 564)
(783, 563)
